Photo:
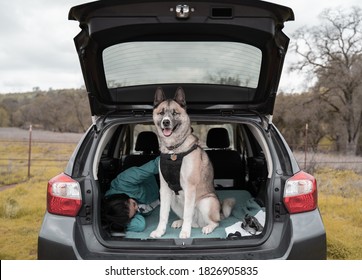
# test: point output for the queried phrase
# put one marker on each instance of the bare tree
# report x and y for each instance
(332, 53)
(291, 114)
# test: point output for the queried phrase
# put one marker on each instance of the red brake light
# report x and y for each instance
(64, 196)
(300, 193)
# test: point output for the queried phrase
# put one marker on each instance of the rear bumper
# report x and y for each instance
(309, 240)
(56, 238)
(303, 237)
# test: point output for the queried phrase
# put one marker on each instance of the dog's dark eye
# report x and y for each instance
(174, 113)
(161, 113)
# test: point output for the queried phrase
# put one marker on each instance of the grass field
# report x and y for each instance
(340, 203)
(23, 205)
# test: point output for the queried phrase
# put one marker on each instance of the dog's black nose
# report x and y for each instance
(166, 123)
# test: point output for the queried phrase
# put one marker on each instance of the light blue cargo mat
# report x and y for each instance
(245, 204)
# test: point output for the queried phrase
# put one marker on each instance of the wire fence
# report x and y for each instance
(314, 160)
(306, 160)
(19, 159)
(42, 155)
(22, 159)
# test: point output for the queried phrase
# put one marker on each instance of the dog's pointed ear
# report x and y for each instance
(180, 97)
(159, 97)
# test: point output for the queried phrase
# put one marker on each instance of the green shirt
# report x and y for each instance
(140, 184)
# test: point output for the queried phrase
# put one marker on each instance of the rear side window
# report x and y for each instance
(200, 130)
(144, 63)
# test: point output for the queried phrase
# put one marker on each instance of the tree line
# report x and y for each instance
(65, 110)
(307, 123)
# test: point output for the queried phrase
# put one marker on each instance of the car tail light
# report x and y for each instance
(300, 193)
(64, 196)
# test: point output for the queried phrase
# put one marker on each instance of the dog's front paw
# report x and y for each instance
(185, 234)
(208, 229)
(177, 224)
(157, 233)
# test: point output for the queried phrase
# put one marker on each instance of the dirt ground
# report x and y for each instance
(18, 134)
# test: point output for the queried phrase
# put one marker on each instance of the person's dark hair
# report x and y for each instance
(115, 214)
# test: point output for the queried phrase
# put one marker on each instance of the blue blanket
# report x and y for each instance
(245, 204)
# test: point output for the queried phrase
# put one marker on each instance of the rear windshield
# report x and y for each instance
(145, 63)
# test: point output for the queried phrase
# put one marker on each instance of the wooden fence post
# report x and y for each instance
(305, 146)
(29, 151)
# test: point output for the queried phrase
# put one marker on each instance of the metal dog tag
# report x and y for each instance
(173, 157)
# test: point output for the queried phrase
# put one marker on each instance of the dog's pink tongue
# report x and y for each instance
(167, 132)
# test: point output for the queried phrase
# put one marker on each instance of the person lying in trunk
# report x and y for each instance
(132, 194)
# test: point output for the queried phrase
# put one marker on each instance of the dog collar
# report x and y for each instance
(171, 148)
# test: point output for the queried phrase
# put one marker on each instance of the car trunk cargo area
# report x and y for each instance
(240, 172)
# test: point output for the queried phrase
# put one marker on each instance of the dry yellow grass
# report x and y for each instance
(21, 212)
(13, 171)
(14, 159)
(340, 203)
(23, 206)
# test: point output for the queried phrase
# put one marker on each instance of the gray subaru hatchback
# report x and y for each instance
(228, 58)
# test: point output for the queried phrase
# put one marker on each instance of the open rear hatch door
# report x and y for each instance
(226, 54)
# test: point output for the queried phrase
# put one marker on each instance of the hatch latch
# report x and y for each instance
(182, 11)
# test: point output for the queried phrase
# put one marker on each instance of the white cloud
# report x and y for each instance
(37, 49)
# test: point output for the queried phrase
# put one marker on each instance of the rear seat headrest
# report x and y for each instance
(147, 142)
(218, 137)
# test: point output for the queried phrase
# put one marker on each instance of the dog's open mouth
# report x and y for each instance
(168, 131)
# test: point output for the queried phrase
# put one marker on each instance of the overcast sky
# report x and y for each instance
(37, 50)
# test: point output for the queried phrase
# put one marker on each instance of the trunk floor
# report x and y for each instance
(245, 204)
